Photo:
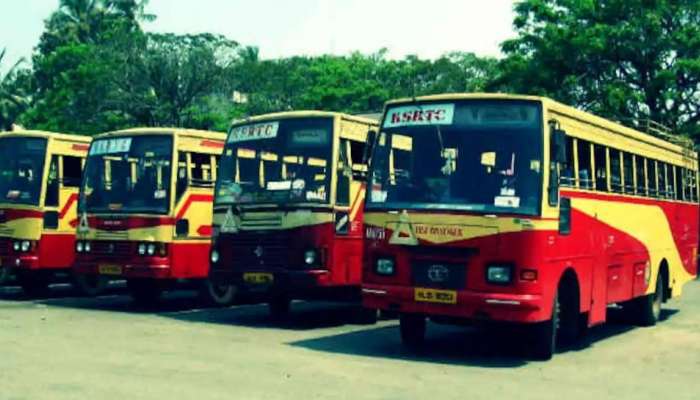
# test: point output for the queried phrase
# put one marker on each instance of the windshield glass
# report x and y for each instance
(128, 175)
(482, 156)
(21, 169)
(285, 161)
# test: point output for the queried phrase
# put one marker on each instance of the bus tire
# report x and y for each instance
(413, 328)
(34, 284)
(647, 309)
(215, 295)
(89, 285)
(279, 307)
(144, 292)
(544, 335)
(367, 316)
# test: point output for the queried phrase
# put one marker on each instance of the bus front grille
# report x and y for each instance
(5, 246)
(116, 249)
(260, 251)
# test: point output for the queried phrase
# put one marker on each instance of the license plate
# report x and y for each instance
(258, 278)
(110, 270)
(435, 296)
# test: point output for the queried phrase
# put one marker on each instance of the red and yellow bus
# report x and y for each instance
(40, 176)
(501, 208)
(288, 207)
(146, 209)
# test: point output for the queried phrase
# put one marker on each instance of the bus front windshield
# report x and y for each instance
(478, 156)
(128, 175)
(277, 162)
(21, 169)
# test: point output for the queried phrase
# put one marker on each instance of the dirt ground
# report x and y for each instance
(66, 347)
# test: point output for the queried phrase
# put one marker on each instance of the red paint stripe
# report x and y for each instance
(195, 198)
(12, 214)
(116, 225)
(204, 230)
(212, 143)
(81, 147)
(72, 199)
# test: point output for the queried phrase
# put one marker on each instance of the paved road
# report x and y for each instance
(72, 348)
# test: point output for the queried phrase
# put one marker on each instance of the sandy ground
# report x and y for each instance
(65, 347)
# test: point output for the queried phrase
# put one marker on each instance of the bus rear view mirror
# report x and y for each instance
(182, 228)
(559, 146)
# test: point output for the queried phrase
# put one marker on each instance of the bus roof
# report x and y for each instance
(165, 131)
(308, 114)
(46, 134)
(559, 108)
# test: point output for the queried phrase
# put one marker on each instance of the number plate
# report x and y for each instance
(435, 296)
(110, 270)
(258, 278)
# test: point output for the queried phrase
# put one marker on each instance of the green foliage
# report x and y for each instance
(14, 93)
(623, 59)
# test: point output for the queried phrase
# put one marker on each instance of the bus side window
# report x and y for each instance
(692, 186)
(181, 180)
(678, 178)
(601, 169)
(663, 185)
(652, 179)
(72, 171)
(201, 170)
(344, 174)
(640, 165)
(615, 171)
(567, 178)
(628, 169)
(52, 184)
(585, 170)
(357, 153)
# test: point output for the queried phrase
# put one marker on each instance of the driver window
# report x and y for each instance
(344, 172)
(52, 186)
(181, 182)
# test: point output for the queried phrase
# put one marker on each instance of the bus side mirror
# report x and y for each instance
(51, 220)
(182, 228)
(559, 146)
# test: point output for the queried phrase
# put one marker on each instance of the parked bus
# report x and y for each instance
(40, 176)
(498, 208)
(288, 207)
(145, 212)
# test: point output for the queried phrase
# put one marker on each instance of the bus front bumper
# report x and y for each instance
(469, 305)
(26, 262)
(124, 271)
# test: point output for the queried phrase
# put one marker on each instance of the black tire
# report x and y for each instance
(34, 284)
(279, 307)
(647, 309)
(90, 285)
(5, 275)
(144, 292)
(544, 335)
(215, 295)
(571, 323)
(413, 328)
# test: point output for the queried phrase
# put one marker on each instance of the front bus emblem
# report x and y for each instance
(438, 273)
(259, 251)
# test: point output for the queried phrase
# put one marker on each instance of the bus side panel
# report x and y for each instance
(56, 251)
(189, 260)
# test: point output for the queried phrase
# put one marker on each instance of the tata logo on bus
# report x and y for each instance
(420, 115)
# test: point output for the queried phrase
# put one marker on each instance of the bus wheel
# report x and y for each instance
(89, 285)
(279, 306)
(647, 309)
(544, 335)
(366, 316)
(215, 295)
(5, 274)
(413, 329)
(34, 284)
(145, 292)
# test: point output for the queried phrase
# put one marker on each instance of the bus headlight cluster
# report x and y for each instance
(23, 246)
(83, 247)
(310, 257)
(499, 274)
(385, 266)
(152, 249)
(214, 256)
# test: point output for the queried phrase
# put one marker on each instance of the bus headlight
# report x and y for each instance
(26, 245)
(499, 274)
(385, 266)
(88, 247)
(310, 257)
(151, 249)
(79, 247)
(16, 246)
(142, 249)
(214, 256)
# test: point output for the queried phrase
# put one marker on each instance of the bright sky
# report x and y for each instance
(283, 28)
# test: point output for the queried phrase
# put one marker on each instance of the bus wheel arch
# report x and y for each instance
(571, 321)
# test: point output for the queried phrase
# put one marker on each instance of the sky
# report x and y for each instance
(304, 27)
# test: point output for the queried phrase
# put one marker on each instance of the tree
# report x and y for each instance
(14, 96)
(622, 59)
